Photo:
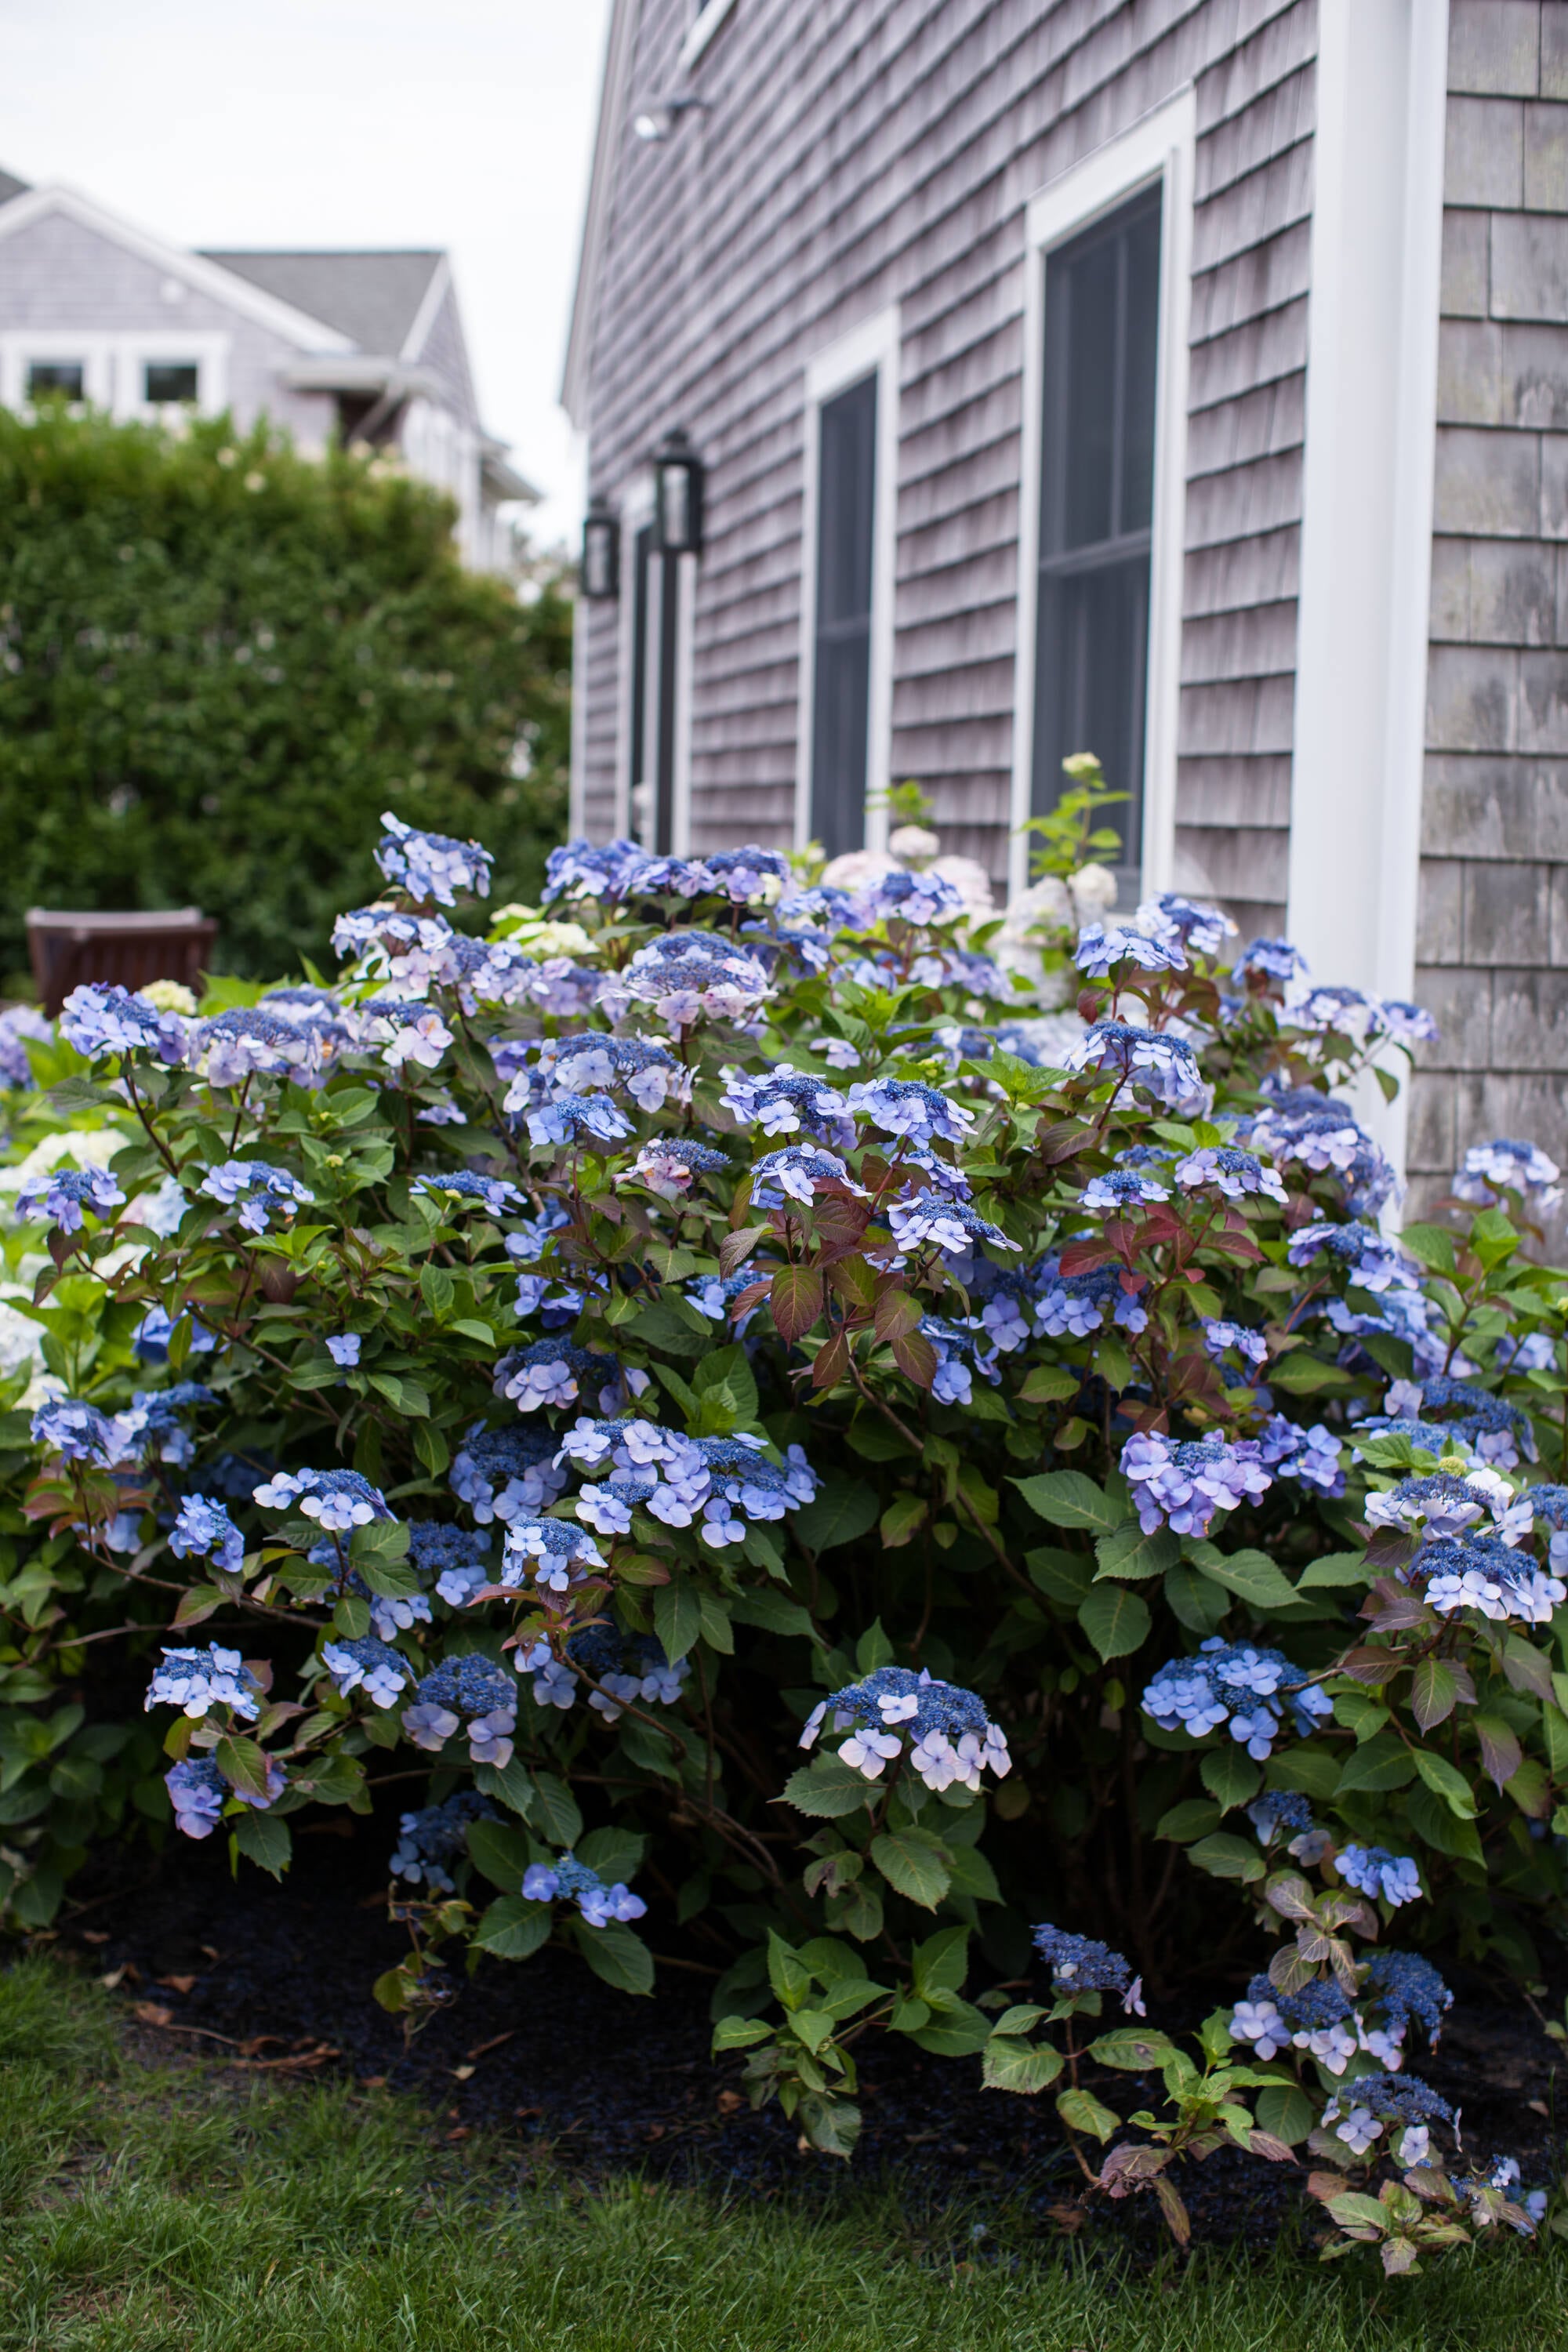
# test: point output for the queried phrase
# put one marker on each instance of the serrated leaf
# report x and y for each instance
(510, 1782)
(677, 1619)
(1432, 1244)
(499, 1853)
(511, 1928)
(1501, 1754)
(1116, 1620)
(1134, 2049)
(913, 1866)
(795, 1296)
(1231, 1777)
(1067, 1499)
(737, 1247)
(615, 1955)
(940, 1963)
(1009, 2063)
(1337, 1568)
(1253, 1576)
(263, 1840)
(1433, 1690)
(555, 1812)
(1082, 2111)
(842, 1510)
(901, 1520)
(826, 1789)
(957, 2032)
(1445, 1781)
(1132, 1554)
(1286, 2112)
(1194, 1817)
(1380, 1764)
(242, 1764)
(1229, 1857)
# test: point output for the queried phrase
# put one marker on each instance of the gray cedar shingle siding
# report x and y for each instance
(863, 152)
(1492, 945)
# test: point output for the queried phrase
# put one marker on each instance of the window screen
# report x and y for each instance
(169, 380)
(1102, 294)
(846, 519)
(59, 379)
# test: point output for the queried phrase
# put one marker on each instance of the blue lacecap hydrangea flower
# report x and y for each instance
(597, 1903)
(432, 865)
(1079, 1964)
(338, 1500)
(63, 1193)
(1238, 1684)
(434, 1836)
(204, 1531)
(195, 1680)
(506, 1474)
(101, 1018)
(945, 1728)
(369, 1664)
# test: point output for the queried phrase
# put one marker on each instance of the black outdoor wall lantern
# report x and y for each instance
(678, 473)
(601, 552)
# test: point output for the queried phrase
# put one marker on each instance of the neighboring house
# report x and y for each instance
(1183, 380)
(365, 347)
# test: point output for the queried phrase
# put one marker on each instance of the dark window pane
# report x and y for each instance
(1138, 373)
(60, 378)
(847, 476)
(1101, 326)
(166, 380)
(1086, 348)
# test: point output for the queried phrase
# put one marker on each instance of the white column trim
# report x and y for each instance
(871, 348)
(636, 509)
(1366, 535)
(1159, 149)
(680, 733)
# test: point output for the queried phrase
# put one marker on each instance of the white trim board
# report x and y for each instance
(1156, 151)
(206, 277)
(872, 347)
(1367, 533)
(704, 25)
(636, 512)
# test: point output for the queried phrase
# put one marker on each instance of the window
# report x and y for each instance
(848, 546)
(56, 380)
(659, 582)
(1096, 486)
(847, 499)
(165, 380)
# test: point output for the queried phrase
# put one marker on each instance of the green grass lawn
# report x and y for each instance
(190, 2209)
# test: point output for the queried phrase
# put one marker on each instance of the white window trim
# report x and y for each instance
(1359, 754)
(636, 512)
(871, 349)
(112, 363)
(1157, 152)
(704, 25)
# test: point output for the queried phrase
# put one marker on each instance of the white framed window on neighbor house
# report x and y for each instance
(1107, 295)
(653, 753)
(141, 374)
(848, 552)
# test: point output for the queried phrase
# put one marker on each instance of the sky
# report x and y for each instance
(462, 123)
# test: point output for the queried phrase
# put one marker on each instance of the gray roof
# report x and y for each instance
(371, 298)
(10, 186)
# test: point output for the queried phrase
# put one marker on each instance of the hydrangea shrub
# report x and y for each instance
(797, 1452)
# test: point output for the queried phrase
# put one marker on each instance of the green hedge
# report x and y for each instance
(220, 661)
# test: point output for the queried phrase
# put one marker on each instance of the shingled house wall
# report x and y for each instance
(1492, 947)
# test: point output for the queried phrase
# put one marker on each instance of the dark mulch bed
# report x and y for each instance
(600, 2082)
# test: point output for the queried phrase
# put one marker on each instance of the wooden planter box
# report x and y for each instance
(131, 950)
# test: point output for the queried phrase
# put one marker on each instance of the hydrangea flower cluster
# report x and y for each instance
(432, 1837)
(785, 1102)
(204, 1531)
(1283, 1815)
(432, 865)
(237, 1045)
(63, 1193)
(568, 1877)
(1362, 2109)
(370, 1664)
(1163, 1064)
(1491, 1169)
(942, 1729)
(456, 1184)
(1181, 922)
(1182, 1482)
(338, 1500)
(507, 1474)
(669, 1165)
(1078, 1964)
(725, 1483)
(1238, 1175)
(687, 977)
(1369, 1258)
(100, 1018)
(258, 1189)
(196, 1680)
(470, 1689)
(1235, 1683)
(1311, 1457)
(1100, 952)
(1372, 1870)
(1470, 1570)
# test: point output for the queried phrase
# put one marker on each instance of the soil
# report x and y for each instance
(597, 2083)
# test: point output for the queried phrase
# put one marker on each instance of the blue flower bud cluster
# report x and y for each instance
(431, 1838)
(568, 1877)
(944, 1729)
